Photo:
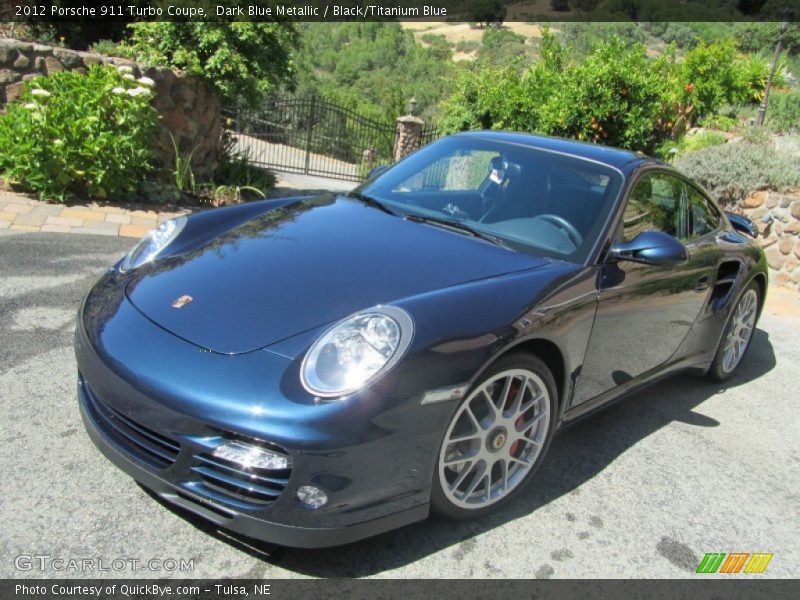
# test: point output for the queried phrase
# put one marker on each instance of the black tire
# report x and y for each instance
(717, 370)
(440, 502)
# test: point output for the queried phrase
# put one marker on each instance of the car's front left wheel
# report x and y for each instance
(496, 439)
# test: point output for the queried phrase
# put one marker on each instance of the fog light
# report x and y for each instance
(312, 497)
(251, 457)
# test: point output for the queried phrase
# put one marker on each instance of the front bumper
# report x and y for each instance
(374, 456)
(231, 520)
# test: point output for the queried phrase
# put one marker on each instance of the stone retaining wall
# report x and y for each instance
(188, 108)
(778, 220)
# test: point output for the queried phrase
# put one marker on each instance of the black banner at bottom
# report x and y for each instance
(280, 589)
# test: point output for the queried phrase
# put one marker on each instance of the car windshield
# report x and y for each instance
(529, 199)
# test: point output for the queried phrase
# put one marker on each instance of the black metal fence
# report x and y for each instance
(312, 136)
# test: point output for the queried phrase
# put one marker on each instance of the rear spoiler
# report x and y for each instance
(742, 224)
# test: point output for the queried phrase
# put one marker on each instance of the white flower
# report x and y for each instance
(129, 77)
(138, 91)
(146, 81)
(118, 90)
(30, 106)
(58, 142)
(40, 92)
(125, 69)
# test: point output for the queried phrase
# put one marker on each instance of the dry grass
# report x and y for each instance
(457, 32)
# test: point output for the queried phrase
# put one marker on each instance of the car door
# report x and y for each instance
(644, 311)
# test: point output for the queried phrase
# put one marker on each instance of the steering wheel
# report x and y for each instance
(565, 226)
(454, 211)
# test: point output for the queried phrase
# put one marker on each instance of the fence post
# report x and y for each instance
(408, 135)
(309, 132)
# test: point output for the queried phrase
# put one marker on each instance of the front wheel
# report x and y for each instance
(738, 334)
(496, 439)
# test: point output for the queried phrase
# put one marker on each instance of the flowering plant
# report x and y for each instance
(84, 136)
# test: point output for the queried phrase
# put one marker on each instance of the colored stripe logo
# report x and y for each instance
(734, 562)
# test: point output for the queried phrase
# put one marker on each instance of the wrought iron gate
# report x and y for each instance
(311, 136)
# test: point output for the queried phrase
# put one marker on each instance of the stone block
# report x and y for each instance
(69, 58)
(9, 76)
(22, 62)
(52, 65)
(775, 258)
(755, 200)
(14, 91)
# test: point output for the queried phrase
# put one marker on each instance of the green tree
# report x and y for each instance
(616, 95)
(241, 60)
(373, 68)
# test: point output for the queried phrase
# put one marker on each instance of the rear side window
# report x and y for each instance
(655, 203)
(703, 216)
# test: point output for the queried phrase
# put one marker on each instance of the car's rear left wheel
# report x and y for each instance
(737, 335)
(496, 439)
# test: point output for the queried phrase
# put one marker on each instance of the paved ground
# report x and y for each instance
(261, 150)
(21, 213)
(644, 489)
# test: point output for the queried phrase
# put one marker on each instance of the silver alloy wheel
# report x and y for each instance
(494, 439)
(741, 330)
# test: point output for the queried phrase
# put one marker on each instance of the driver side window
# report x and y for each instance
(655, 203)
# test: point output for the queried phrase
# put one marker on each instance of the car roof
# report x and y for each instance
(623, 160)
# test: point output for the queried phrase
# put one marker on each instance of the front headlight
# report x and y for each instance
(357, 351)
(153, 243)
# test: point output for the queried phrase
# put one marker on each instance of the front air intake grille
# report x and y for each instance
(229, 483)
(136, 440)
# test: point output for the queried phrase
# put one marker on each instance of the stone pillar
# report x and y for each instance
(408, 136)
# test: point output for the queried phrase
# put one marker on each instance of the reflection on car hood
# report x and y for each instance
(303, 265)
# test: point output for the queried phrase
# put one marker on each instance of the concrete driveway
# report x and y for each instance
(644, 489)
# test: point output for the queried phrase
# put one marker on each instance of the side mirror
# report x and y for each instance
(742, 224)
(380, 169)
(650, 248)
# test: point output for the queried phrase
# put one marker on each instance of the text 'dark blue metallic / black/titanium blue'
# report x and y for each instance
(312, 371)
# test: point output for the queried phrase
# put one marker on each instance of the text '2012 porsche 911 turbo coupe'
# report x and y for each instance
(312, 371)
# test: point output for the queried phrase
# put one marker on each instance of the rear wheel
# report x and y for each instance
(738, 334)
(496, 439)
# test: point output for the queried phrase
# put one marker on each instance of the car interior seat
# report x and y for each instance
(521, 195)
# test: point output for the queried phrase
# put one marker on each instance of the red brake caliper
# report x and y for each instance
(512, 392)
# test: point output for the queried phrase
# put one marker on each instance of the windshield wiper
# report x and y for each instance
(370, 201)
(460, 227)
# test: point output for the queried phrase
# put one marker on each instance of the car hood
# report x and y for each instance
(303, 265)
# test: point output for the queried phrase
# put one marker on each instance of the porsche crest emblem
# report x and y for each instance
(182, 301)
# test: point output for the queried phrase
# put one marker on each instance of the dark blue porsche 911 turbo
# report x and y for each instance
(312, 371)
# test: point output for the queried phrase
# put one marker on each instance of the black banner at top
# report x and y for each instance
(477, 11)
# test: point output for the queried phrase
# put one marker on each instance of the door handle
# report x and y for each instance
(702, 283)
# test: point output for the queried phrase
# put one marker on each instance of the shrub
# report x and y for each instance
(235, 168)
(111, 48)
(734, 171)
(692, 143)
(467, 46)
(783, 110)
(616, 96)
(710, 78)
(79, 135)
(241, 60)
